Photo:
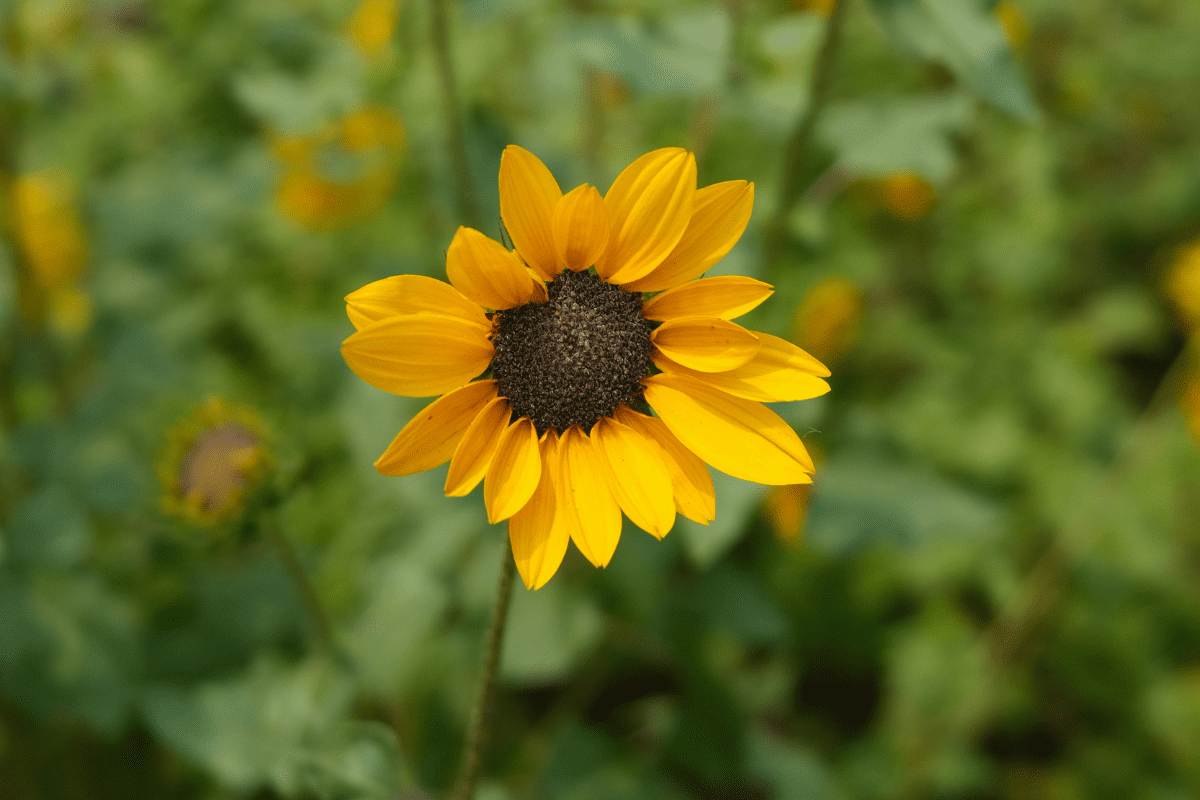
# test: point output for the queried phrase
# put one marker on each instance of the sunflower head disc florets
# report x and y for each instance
(574, 359)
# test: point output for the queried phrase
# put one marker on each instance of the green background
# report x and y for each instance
(996, 592)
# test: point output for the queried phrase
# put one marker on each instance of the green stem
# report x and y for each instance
(318, 619)
(1012, 628)
(468, 770)
(468, 206)
(796, 151)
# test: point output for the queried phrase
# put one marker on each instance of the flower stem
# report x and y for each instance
(799, 143)
(1011, 632)
(468, 770)
(468, 206)
(318, 619)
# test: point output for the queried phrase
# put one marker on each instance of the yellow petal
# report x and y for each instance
(528, 194)
(477, 447)
(718, 220)
(486, 272)
(515, 471)
(409, 294)
(430, 438)
(418, 355)
(756, 380)
(740, 437)
(707, 344)
(580, 228)
(593, 516)
(725, 297)
(779, 371)
(695, 497)
(638, 476)
(538, 537)
(649, 206)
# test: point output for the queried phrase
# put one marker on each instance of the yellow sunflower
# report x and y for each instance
(550, 358)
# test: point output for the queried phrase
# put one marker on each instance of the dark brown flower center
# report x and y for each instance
(574, 359)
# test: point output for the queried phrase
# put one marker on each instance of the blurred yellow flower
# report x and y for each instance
(905, 195)
(822, 7)
(1189, 402)
(48, 230)
(827, 319)
(50, 238)
(341, 173)
(372, 25)
(1183, 283)
(786, 508)
(213, 458)
(1012, 19)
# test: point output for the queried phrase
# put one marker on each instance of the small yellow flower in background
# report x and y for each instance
(50, 237)
(905, 195)
(50, 25)
(372, 25)
(48, 229)
(342, 173)
(1183, 283)
(1012, 19)
(591, 371)
(1189, 403)
(785, 508)
(822, 7)
(828, 318)
(213, 459)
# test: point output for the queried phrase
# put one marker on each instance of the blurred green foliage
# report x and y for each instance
(991, 592)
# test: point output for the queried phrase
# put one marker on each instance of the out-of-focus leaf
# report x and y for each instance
(912, 134)
(942, 682)
(397, 624)
(8, 287)
(793, 772)
(70, 649)
(548, 631)
(685, 53)
(858, 502)
(282, 727)
(48, 529)
(734, 601)
(299, 105)
(736, 501)
(967, 38)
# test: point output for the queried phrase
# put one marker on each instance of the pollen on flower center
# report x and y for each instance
(574, 359)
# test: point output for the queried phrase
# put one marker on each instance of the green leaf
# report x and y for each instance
(912, 134)
(857, 502)
(736, 502)
(49, 529)
(282, 727)
(967, 38)
(685, 54)
(793, 772)
(548, 631)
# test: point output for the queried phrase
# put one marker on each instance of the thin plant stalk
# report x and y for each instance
(799, 144)
(468, 769)
(318, 619)
(468, 206)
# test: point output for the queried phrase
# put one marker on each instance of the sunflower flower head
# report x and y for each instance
(590, 371)
(214, 458)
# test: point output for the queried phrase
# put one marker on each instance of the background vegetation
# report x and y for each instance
(991, 591)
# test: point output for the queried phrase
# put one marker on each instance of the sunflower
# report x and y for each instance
(589, 371)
